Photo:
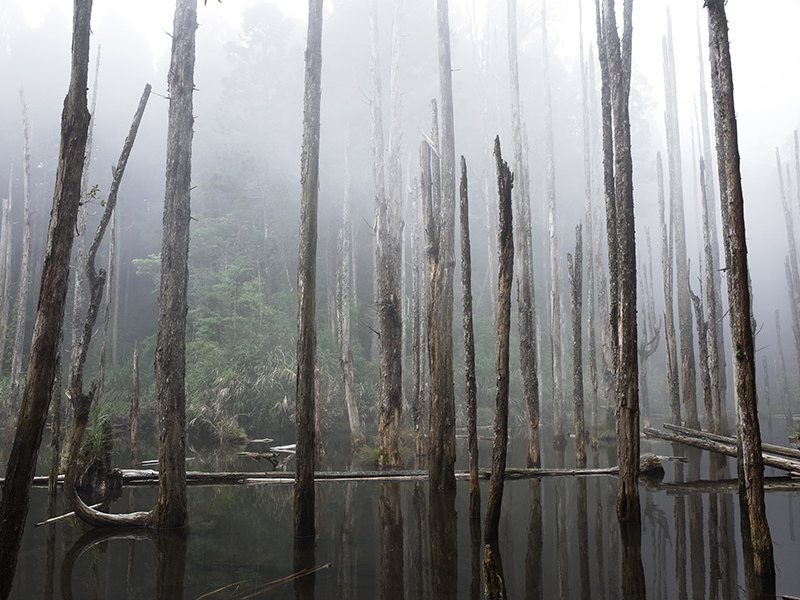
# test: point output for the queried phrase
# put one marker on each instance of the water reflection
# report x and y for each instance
(558, 537)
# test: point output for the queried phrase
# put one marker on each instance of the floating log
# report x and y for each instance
(729, 449)
(65, 516)
(771, 448)
(705, 486)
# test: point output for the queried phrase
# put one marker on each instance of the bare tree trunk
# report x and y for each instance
(418, 295)
(469, 348)
(768, 397)
(576, 291)
(688, 371)
(673, 380)
(304, 521)
(705, 369)
(388, 255)
(627, 372)
(26, 269)
(134, 414)
(556, 331)
(55, 435)
(716, 351)
(5, 268)
(344, 304)
(588, 177)
(793, 272)
(50, 312)
(651, 331)
(442, 442)
(505, 182)
(780, 367)
(738, 287)
(526, 306)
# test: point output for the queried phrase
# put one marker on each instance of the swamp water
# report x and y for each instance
(559, 538)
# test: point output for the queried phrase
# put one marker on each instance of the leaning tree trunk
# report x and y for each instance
(469, 348)
(82, 402)
(304, 522)
(673, 381)
(688, 370)
(627, 367)
(5, 268)
(172, 511)
(25, 271)
(505, 182)
(442, 441)
(738, 287)
(526, 306)
(52, 298)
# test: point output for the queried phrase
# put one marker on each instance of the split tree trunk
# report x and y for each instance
(738, 286)
(304, 519)
(505, 182)
(469, 348)
(52, 298)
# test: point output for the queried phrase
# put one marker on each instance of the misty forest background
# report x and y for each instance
(248, 104)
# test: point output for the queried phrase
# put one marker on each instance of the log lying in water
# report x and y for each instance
(723, 486)
(650, 465)
(771, 448)
(700, 439)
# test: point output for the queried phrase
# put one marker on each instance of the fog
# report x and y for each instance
(248, 106)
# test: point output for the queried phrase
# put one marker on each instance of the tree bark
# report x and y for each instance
(50, 312)
(526, 306)
(738, 287)
(171, 511)
(673, 380)
(134, 414)
(627, 366)
(505, 182)
(304, 520)
(793, 272)
(5, 268)
(576, 291)
(469, 348)
(677, 222)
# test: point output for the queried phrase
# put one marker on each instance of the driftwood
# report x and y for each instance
(771, 448)
(64, 516)
(727, 448)
(145, 477)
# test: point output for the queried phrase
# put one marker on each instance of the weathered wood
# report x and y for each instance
(704, 486)
(64, 516)
(728, 449)
(771, 448)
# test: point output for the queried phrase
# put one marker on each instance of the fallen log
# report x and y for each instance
(771, 448)
(725, 448)
(64, 516)
(731, 486)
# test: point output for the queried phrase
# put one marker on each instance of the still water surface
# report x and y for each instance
(559, 538)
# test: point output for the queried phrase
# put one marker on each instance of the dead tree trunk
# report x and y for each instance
(793, 272)
(442, 450)
(82, 402)
(556, 325)
(768, 397)
(26, 269)
(50, 312)
(505, 182)
(780, 359)
(627, 371)
(134, 414)
(716, 350)
(526, 305)
(738, 287)
(688, 371)
(419, 295)
(469, 348)
(304, 519)
(5, 268)
(651, 331)
(576, 290)
(344, 305)
(673, 380)
(705, 369)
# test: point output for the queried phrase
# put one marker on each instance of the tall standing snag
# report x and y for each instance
(738, 286)
(171, 510)
(52, 298)
(576, 291)
(304, 525)
(505, 182)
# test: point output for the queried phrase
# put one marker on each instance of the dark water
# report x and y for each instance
(559, 538)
